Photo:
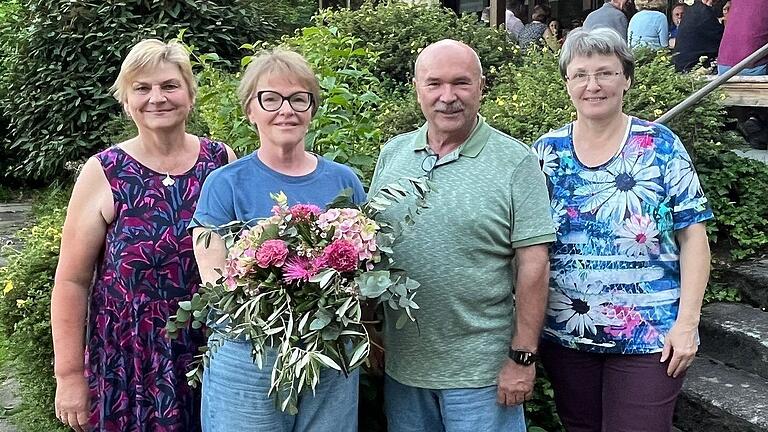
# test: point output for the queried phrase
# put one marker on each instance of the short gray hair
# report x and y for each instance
(600, 41)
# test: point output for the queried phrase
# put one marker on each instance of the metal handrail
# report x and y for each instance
(715, 83)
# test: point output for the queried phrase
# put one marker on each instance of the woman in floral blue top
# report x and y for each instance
(631, 260)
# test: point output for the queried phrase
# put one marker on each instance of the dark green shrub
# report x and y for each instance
(398, 31)
(59, 74)
(528, 99)
(400, 113)
(735, 188)
(9, 11)
(291, 14)
(25, 316)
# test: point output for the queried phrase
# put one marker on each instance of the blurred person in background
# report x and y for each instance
(649, 26)
(677, 13)
(698, 37)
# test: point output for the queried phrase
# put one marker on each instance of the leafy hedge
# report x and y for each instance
(399, 30)
(25, 305)
(57, 77)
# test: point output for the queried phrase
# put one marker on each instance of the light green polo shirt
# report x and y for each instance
(490, 198)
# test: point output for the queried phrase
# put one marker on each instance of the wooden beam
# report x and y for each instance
(498, 12)
(746, 91)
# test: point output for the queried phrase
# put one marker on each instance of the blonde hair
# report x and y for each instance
(149, 53)
(279, 62)
(657, 5)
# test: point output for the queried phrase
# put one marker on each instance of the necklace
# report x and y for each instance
(168, 181)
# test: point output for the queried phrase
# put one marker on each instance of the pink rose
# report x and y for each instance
(341, 255)
(271, 253)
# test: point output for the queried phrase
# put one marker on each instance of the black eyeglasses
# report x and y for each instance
(272, 101)
(428, 164)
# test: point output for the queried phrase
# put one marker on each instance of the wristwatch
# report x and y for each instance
(525, 358)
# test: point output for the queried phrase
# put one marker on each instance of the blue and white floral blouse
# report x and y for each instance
(615, 273)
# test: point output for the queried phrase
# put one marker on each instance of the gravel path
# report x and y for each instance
(13, 216)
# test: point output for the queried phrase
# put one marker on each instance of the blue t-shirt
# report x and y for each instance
(240, 190)
(615, 270)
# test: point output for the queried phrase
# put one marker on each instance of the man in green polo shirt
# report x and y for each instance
(468, 363)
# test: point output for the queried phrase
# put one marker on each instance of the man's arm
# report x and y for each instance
(516, 381)
(530, 295)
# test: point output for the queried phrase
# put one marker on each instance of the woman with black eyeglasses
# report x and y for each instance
(280, 94)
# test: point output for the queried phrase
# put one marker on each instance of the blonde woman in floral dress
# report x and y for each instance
(126, 221)
(631, 260)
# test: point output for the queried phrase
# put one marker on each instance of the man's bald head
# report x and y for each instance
(448, 79)
(445, 50)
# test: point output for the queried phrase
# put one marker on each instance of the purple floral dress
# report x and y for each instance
(135, 373)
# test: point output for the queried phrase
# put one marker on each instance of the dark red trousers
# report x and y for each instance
(610, 392)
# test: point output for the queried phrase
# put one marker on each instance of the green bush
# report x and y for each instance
(292, 14)
(25, 316)
(528, 99)
(58, 76)
(9, 11)
(398, 31)
(400, 113)
(735, 188)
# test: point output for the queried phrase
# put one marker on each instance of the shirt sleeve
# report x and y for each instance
(531, 218)
(663, 31)
(358, 192)
(687, 201)
(215, 207)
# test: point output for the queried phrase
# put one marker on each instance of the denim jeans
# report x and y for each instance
(235, 396)
(753, 71)
(414, 409)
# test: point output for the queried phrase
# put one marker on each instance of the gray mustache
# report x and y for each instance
(451, 107)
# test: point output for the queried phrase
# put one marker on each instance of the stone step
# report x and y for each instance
(719, 398)
(751, 278)
(737, 335)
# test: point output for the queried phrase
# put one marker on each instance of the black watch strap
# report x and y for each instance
(525, 358)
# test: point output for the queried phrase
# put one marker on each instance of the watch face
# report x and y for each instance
(522, 357)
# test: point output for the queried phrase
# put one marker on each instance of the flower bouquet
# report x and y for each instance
(295, 282)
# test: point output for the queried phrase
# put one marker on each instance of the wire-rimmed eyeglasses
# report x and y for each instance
(428, 164)
(581, 78)
(272, 101)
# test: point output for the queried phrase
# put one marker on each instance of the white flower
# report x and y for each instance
(681, 177)
(571, 302)
(558, 210)
(547, 159)
(638, 236)
(620, 187)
